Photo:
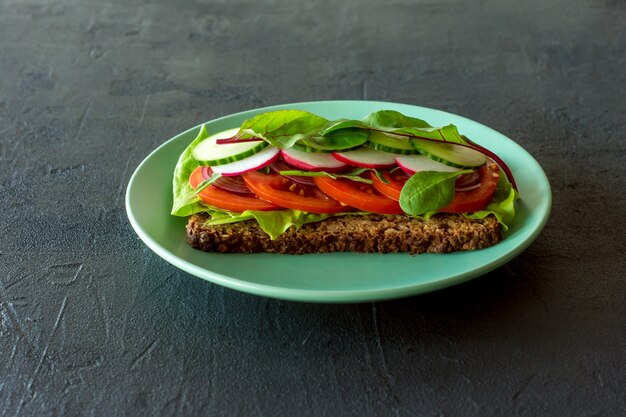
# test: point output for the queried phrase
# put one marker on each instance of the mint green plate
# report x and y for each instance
(336, 277)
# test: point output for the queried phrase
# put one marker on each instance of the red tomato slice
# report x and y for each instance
(358, 194)
(225, 200)
(477, 199)
(286, 193)
(393, 188)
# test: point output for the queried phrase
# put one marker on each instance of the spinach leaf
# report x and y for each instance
(447, 133)
(383, 120)
(282, 128)
(337, 125)
(388, 120)
(340, 140)
(428, 191)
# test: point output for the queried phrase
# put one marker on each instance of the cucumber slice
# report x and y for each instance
(391, 143)
(450, 154)
(210, 153)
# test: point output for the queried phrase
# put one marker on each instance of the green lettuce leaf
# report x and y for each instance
(274, 223)
(502, 205)
(186, 202)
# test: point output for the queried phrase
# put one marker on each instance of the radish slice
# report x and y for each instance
(279, 165)
(417, 163)
(366, 158)
(312, 161)
(252, 163)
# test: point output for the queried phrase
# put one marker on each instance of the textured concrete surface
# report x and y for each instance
(93, 323)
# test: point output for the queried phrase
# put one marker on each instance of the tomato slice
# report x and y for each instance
(225, 200)
(282, 191)
(393, 187)
(477, 199)
(358, 194)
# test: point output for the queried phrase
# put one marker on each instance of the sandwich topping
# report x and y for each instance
(288, 168)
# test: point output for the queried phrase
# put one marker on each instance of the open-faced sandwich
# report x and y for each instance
(292, 182)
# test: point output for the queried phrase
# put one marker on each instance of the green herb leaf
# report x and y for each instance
(428, 191)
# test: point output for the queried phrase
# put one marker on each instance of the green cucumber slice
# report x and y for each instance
(391, 143)
(450, 154)
(210, 153)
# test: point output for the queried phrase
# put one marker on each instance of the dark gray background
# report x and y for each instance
(93, 323)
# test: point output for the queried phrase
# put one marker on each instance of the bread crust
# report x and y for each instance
(442, 233)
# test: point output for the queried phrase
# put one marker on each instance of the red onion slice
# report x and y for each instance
(231, 184)
(468, 188)
(280, 165)
(468, 182)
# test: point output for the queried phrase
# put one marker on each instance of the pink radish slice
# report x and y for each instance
(366, 158)
(231, 184)
(257, 161)
(417, 163)
(279, 165)
(312, 161)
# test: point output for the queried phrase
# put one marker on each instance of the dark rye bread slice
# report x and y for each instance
(441, 233)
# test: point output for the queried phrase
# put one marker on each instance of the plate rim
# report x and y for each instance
(344, 296)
